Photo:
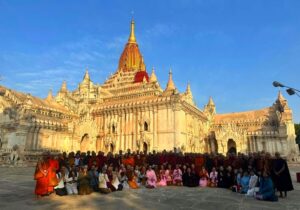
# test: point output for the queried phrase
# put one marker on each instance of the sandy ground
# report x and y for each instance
(17, 186)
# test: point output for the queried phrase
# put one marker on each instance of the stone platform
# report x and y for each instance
(17, 185)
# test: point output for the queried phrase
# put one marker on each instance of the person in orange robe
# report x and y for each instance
(41, 176)
(131, 177)
(53, 167)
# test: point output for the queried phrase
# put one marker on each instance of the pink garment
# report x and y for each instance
(177, 175)
(163, 178)
(203, 182)
(151, 178)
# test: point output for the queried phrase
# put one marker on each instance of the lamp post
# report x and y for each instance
(289, 90)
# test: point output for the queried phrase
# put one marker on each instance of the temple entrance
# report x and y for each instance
(111, 148)
(84, 143)
(231, 146)
(213, 146)
(145, 148)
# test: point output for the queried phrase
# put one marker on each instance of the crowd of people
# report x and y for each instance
(257, 175)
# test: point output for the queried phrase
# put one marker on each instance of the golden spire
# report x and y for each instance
(188, 89)
(132, 36)
(211, 102)
(153, 77)
(63, 86)
(280, 97)
(50, 96)
(86, 75)
(170, 85)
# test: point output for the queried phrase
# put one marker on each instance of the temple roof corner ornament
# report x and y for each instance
(153, 77)
(64, 87)
(50, 96)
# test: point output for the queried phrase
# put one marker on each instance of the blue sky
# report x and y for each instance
(231, 50)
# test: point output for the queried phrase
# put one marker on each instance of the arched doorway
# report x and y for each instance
(145, 148)
(111, 148)
(231, 146)
(213, 146)
(84, 143)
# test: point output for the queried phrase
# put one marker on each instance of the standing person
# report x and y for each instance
(282, 177)
(53, 167)
(41, 176)
(151, 178)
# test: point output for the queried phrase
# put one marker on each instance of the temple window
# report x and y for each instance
(146, 126)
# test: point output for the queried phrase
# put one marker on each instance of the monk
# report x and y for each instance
(41, 176)
(53, 167)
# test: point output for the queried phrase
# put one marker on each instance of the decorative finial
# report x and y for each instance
(132, 36)
(50, 96)
(86, 75)
(153, 77)
(63, 86)
(211, 102)
(170, 85)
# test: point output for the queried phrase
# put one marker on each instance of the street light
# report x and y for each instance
(289, 90)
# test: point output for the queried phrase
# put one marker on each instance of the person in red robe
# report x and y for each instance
(53, 167)
(41, 176)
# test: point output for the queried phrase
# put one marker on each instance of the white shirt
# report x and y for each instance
(103, 178)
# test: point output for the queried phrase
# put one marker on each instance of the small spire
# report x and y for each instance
(188, 89)
(132, 36)
(63, 86)
(211, 102)
(86, 75)
(50, 96)
(170, 85)
(153, 77)
(280, 97)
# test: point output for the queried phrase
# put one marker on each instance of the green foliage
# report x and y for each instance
(297, 131)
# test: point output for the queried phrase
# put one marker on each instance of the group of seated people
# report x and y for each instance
(253, 175)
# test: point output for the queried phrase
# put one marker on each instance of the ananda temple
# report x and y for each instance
(132, 110)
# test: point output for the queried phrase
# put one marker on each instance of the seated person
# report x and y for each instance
(245, 183)
(60, 188)
(103, 179)
(151, 178)
(189, 179)
(162, 176)
(177, 176)
(94, 174)
(252, 183)
(84, 182)
(203, 177)
(169, 173)
(213, 177)
(131, 178)
(266, 189)
(71, 181)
